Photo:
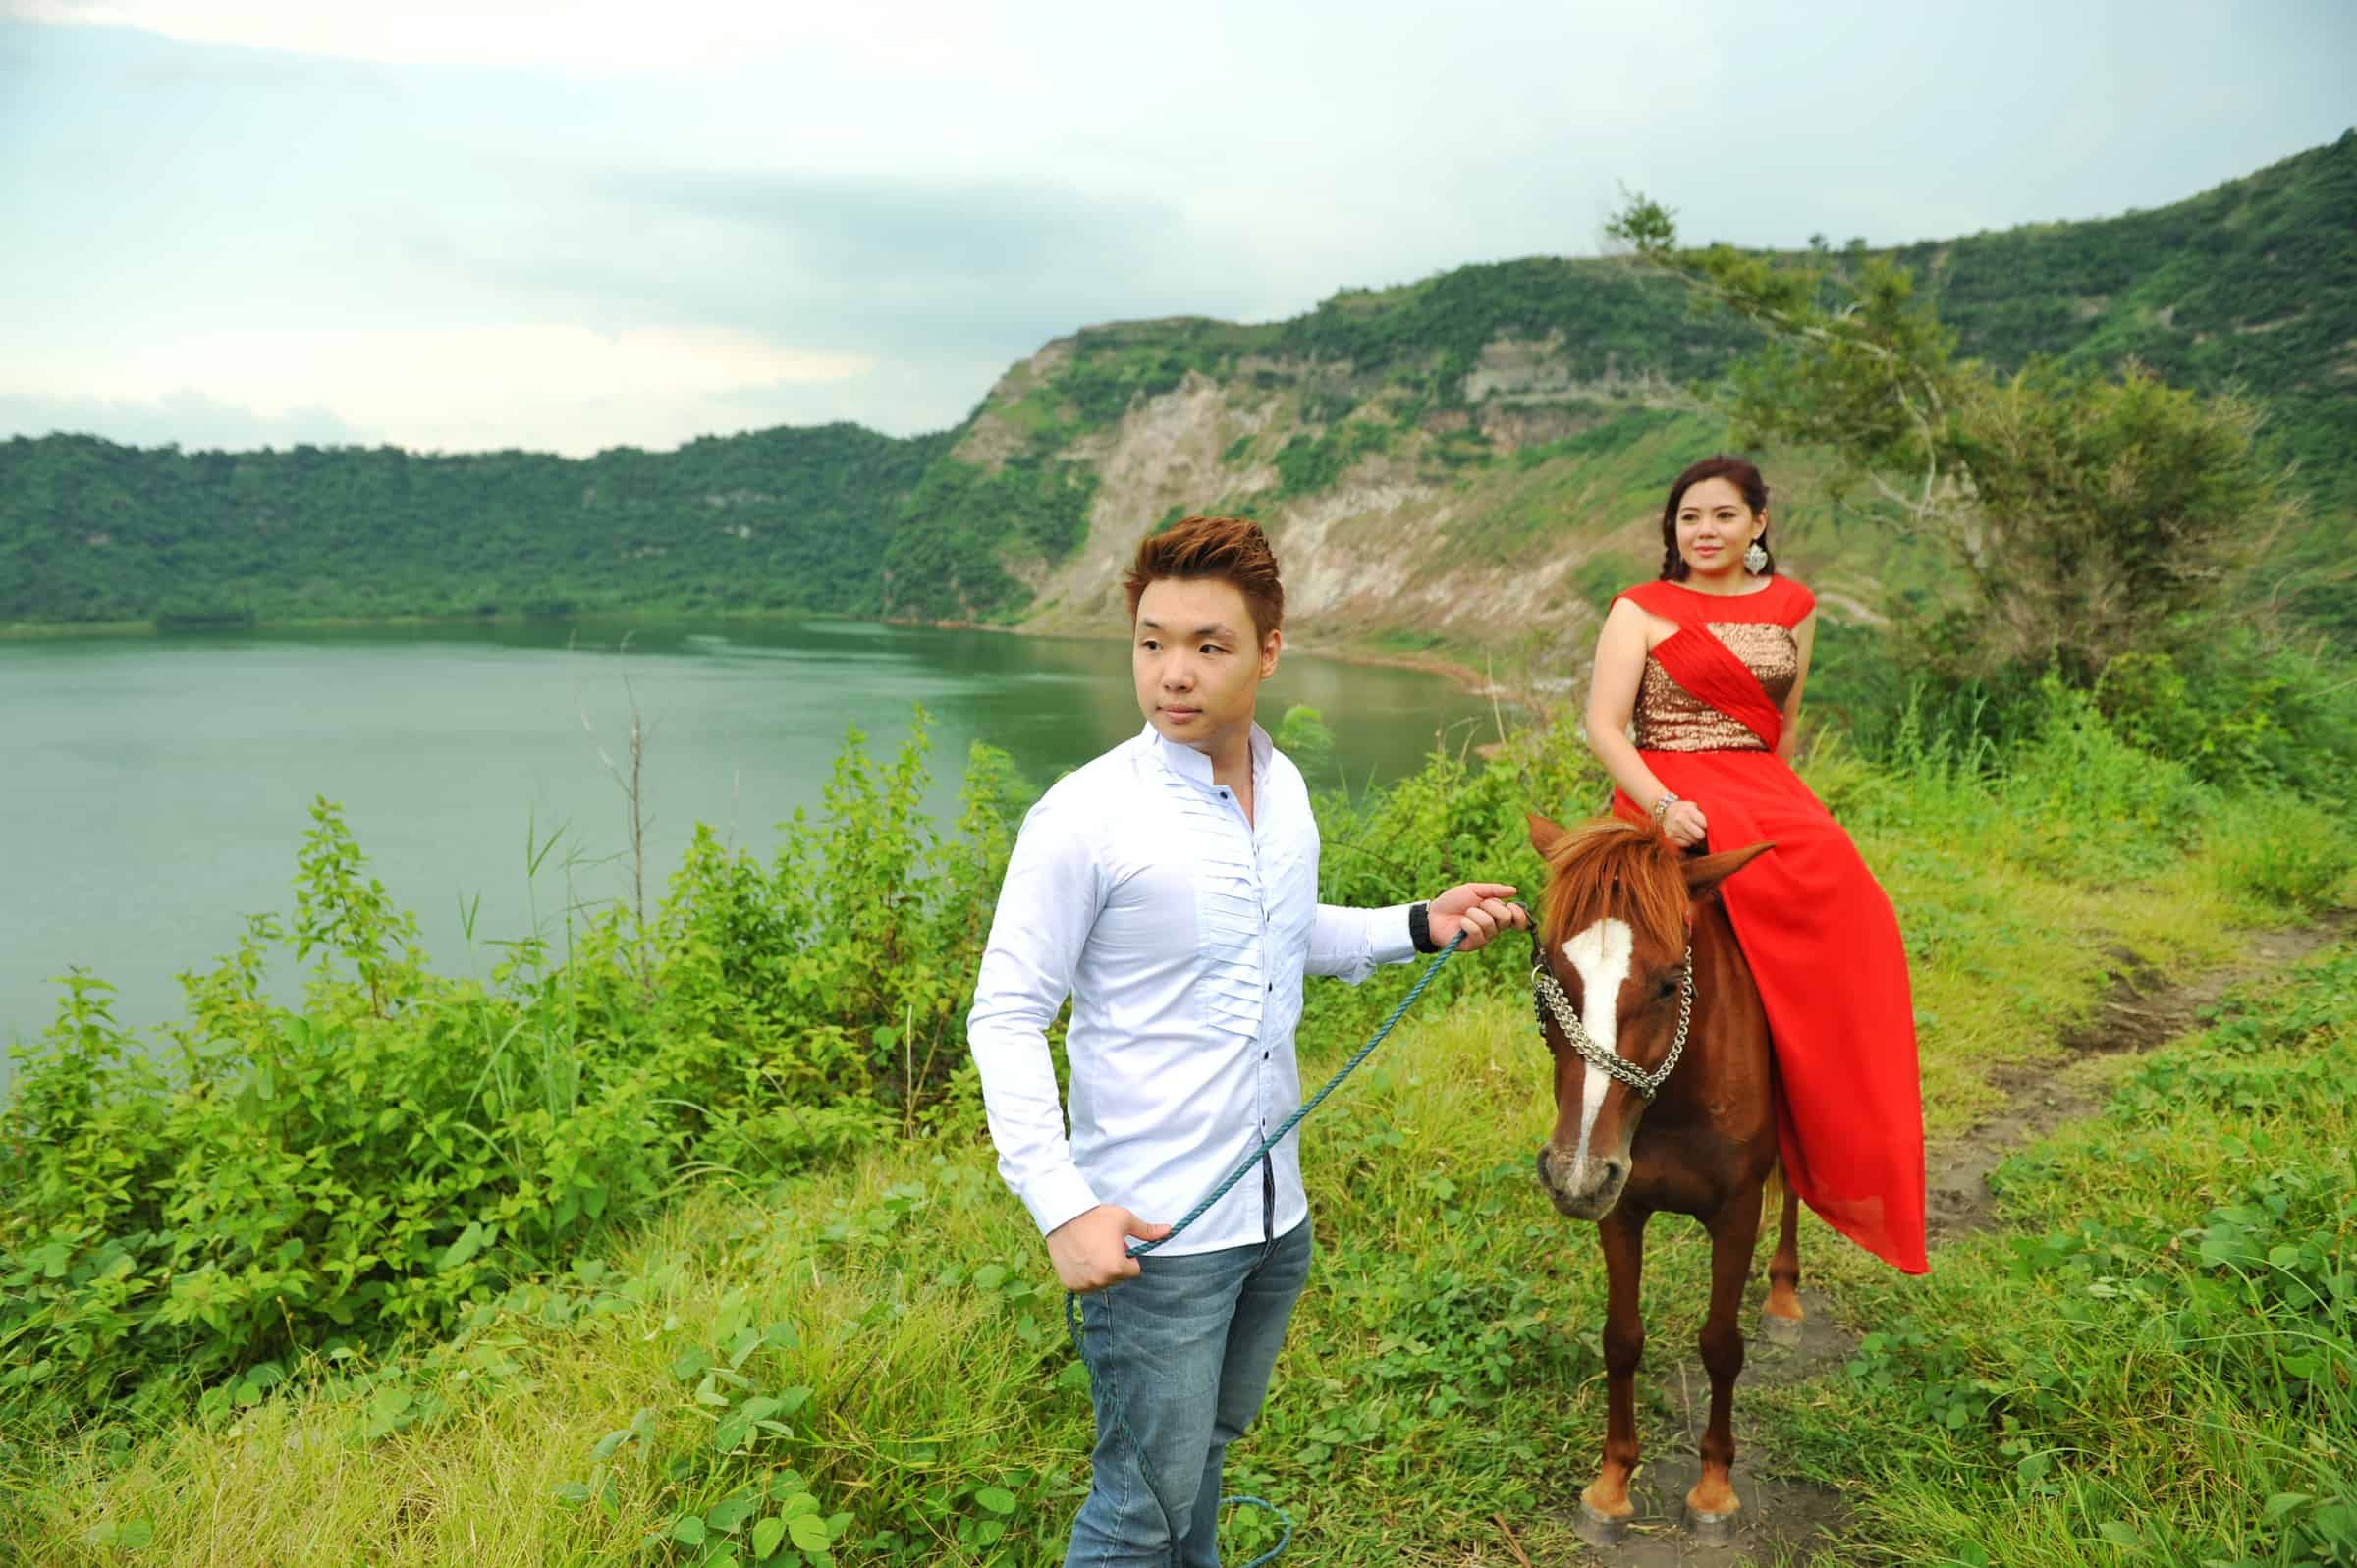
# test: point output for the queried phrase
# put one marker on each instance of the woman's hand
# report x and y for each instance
(1684, 824)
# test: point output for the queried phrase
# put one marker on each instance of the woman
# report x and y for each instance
(1709, 662)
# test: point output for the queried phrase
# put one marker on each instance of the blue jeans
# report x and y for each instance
(1186, 1348)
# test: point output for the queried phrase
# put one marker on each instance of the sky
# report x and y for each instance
(571, 226)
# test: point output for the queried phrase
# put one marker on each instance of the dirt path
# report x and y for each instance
(1785, 1517)
(2139, 1014)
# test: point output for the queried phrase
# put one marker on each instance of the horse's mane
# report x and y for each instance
(1608, 867)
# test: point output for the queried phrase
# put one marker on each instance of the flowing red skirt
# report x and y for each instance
(1823, 946)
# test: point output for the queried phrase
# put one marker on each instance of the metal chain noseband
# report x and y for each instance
(1549, 998)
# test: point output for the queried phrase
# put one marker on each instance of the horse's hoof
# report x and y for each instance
(1600, 1530)
(1712, 1530)
(1780, 1330)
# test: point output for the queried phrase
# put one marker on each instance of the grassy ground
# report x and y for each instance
(2156, 1358)
(871, 1363)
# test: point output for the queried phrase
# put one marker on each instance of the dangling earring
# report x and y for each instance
(1755, 558)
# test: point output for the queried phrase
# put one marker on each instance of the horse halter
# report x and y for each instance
(1549, 999)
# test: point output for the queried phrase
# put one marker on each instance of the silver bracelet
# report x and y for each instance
(1660, 807)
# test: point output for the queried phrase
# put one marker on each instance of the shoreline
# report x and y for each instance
(1473, 682)
(54, 631)
(1469, 679)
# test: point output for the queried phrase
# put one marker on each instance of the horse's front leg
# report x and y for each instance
(1712, 1506)
(1605, 1508)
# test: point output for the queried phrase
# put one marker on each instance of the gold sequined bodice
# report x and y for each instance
(1670, 718)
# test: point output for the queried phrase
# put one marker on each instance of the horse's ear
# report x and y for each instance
(1544, 835)
(1704, 875)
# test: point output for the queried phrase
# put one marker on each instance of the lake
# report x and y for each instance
(156, 789)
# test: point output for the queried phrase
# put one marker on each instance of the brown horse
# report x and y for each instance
(1664, 1099)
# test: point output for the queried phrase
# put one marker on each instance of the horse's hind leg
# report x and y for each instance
(1605, 1508)
(1712, 1506)
(1781, 1317)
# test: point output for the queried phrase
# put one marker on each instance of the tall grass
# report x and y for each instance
(1444, 1367)
(2155, 1360)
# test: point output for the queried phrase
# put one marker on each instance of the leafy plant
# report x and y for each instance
(387, 1158)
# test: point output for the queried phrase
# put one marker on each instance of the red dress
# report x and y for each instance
(1819, 933)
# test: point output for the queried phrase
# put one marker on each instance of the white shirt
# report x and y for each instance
(1181, 933)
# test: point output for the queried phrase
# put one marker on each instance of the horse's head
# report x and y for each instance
(1613, 985)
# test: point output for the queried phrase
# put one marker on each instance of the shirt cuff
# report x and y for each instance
(1388, 935)
(1056, 1196)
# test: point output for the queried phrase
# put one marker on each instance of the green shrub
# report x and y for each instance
(2240, 713)
(2061, 792)
(2086, 802)
(1460, 819)
(1304, 738)
(2282, 851)
(388, 1155)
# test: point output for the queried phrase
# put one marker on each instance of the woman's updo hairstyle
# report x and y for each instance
(1743, 476)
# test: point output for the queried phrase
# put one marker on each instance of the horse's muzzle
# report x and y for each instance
(1584, 1189)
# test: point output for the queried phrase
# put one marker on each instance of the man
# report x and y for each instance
(1170, 888)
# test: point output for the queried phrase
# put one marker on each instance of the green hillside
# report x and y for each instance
(1467, 381)
(90, 531)
(2253, 283)
(1504, 411)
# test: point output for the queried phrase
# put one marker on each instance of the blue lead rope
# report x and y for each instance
(1072, 1302)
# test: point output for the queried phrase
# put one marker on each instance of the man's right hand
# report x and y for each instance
(1091, 1250)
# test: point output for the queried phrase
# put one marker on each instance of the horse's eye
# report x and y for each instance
(1669, 986)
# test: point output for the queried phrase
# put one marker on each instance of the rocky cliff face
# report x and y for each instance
(1375, 551)
(1492, 522)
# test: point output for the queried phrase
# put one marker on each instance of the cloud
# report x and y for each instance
(185, 416)
(912, 267)
(525, 221)
(621, 35)
(557, 385)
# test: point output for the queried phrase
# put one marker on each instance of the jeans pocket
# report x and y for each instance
(1164, 1339)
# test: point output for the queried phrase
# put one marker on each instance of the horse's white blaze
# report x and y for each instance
(1600, 954)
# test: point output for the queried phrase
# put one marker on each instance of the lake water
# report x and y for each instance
(155, 790)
